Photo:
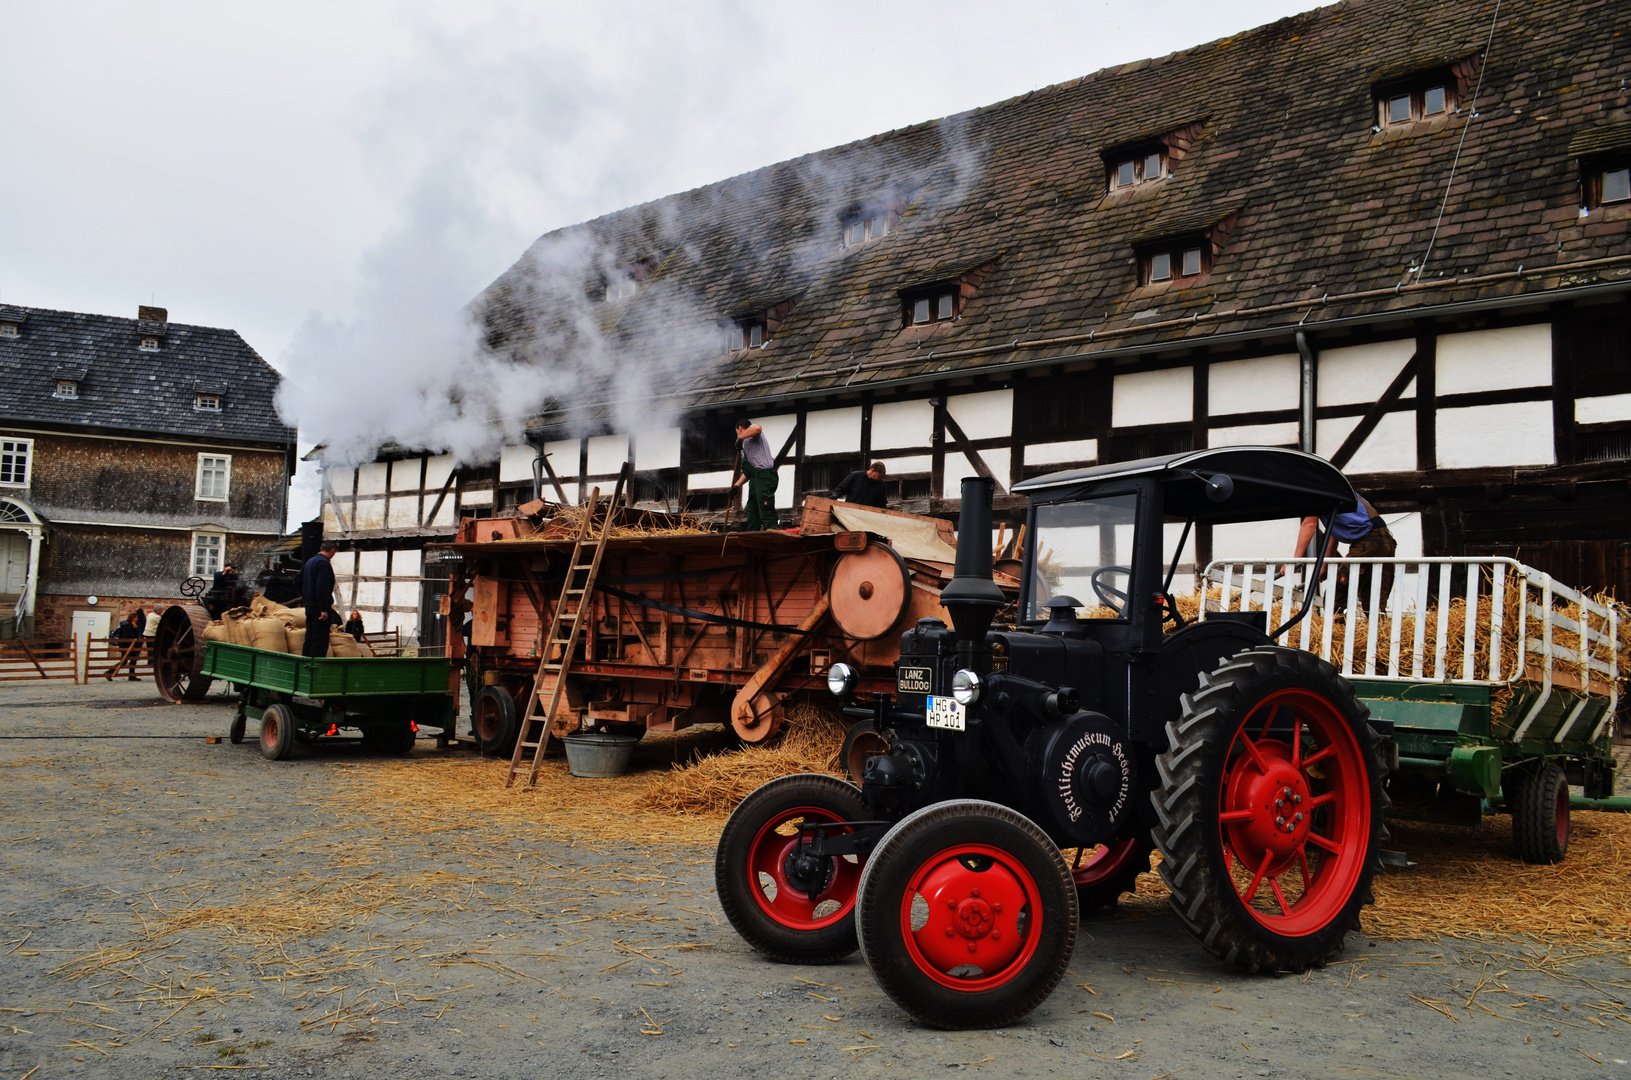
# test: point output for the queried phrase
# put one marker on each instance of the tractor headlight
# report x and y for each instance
(966, 687)
(841, 679)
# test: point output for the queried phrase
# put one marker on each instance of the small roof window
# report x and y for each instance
(8, 329)
(207, 402)
(1418, 96)
(67, 390)
(870, 225)
(149, 344)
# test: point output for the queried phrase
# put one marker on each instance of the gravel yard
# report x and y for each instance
(175, 908)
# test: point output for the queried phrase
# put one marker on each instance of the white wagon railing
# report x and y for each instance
(1452, 620)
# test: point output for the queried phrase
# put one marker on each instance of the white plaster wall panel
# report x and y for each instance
(831, 431)
(437, 470)
(1061, 453)
(1359, 374)
(657, 449)
(906, 466)
(331, 521)
(1389, 448)
(370, 593)
(478, 497)
(371, 478)
(372, 621)
(1261, 384)
(709, 481)
(563, 457)
(1515, 434)
(340, 479)
(1602, 410)
(1153, 397)
(370, 514)
(986, 415)
(1501, 359)
(902, 425)
(778, 428)
(405, 474)
(607, 453)
(784, 487)
(1406, 529)
(1254, 435)
(371, 563)
(1259, 540)
(958, 466)
(405, 564)
(345, 563)
(405, 624)
(515, 463)
(447, 515)
(403, 512)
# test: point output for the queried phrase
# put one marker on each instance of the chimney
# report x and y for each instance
(151, 314)
(971, 597)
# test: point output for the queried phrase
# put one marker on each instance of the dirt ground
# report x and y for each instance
(174, 908)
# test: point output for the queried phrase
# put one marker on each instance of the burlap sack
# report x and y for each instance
(343, 644)
(215, 631)
(296, 639)
(295, 618)
(268, 634)
(366, 649)
(260, 607)
(233, 619)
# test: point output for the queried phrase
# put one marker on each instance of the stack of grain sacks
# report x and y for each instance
(275, 628)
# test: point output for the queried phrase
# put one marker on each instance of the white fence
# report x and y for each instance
(1454, 620)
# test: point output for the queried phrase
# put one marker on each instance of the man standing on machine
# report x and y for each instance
(759, 473)
(317, 591)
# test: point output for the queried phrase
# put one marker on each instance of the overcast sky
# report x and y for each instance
(269, 169)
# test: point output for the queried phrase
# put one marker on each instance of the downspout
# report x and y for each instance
(1305, 398)
(537, 471)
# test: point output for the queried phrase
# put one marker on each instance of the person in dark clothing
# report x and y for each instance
(759, 474)
(317, 593)
(864, 488)
(129, 638)
(353, 625)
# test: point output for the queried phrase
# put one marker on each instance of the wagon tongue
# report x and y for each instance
(971, 597)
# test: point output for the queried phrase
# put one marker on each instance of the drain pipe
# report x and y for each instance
(1305, 440)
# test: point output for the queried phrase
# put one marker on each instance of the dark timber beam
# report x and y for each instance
(1373, 416)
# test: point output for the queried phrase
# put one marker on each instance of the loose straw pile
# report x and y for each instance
(715, 784)
(629, 523)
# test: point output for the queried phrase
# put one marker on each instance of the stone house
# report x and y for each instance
(134, 453)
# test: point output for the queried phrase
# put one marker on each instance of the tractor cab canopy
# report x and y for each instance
(1234, 483)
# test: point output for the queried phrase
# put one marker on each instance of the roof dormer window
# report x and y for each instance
(67, 390)
(149, 344)
(1141, 168)
(8, 329)
(1424, 95)
(868, 226)
(1178, 261)
(207, 402)
(749, 334)
(932, 304)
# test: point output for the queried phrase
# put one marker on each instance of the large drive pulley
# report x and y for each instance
(870, 591)
(178, 653)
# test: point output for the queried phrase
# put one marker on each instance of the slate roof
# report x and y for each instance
(122, 388)
(1324, 216)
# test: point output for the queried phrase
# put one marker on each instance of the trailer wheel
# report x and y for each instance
(1104, 872)
(1270, 810)
(1540, 815)
(792, 910)
(493, 719)
(239, 723)
(277, 731)
(967, 915)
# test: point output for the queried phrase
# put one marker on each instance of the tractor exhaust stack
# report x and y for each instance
(971, 597)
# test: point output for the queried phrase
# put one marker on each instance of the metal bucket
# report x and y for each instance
(597, 755)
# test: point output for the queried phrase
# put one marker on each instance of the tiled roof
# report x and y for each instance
(1331, 214)
(122, 388)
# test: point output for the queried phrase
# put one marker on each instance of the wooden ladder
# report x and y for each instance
(565, 627)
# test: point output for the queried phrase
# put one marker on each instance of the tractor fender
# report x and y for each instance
(1177, 669)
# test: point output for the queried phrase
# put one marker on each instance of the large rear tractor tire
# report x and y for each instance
(967, 915)
(1540, 815)
(494, 721)
(1103, 873)
(178, 653)
(788, 906)
(1270, 808)
(277, 732)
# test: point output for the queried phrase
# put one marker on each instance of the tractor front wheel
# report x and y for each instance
(787, 904)
(1270, 810)
(1540, 815)
(967, 915)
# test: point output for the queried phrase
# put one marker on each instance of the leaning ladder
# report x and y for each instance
(565, 626)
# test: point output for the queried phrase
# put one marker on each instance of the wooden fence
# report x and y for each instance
(26, 659)
(104, 655)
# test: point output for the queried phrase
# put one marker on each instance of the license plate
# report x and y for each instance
(914, 680)
(944, 712)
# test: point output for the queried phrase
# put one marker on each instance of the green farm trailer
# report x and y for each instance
(1500, 683)
(384, 701)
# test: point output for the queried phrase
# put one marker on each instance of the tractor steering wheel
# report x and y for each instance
(1110, 596)
(193, 588)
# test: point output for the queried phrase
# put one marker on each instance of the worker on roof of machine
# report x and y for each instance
(317, 593)
(864, 488)
(758, 468)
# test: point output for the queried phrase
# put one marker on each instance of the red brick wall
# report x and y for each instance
(53, 615)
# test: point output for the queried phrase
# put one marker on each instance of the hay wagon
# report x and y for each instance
(688, 626)
(1501, 684)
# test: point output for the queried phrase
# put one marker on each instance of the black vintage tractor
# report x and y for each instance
(1101, 723)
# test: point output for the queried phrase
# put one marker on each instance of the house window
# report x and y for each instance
(209, 554)
(14, 458)
(214, 476)
(1421, 99)
(67, 389)
(207, 402)
(620, 286)
(150, 344)
(1616, 185)
(937, 304)
(1605, 178)
(8, 329)
(1138, 167)
(863, 227)
(750, 334)
(1175, 262)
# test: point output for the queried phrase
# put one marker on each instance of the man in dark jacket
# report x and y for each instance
(317, 592)
(864, 488)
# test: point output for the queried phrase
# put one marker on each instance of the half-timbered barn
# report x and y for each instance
(1392, 232)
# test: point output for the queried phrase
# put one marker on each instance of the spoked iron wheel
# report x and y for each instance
(1104, 872)
(785, 903)
(967, 915)
(178, 653)
(1271, 808)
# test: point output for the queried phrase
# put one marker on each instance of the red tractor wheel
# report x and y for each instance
(784, 903)
(1271, 810)
(967, 915)
(1103, 873)
(1540, 815)
(178, 653)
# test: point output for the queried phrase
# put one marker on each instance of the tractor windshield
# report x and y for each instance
(1084, 550)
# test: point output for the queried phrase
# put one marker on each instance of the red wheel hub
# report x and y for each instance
(776, 850)
(1561, 817)
(1295, 796)
(978, 932)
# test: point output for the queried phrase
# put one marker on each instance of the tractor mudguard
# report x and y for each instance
(1184, 655)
